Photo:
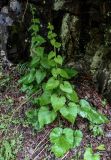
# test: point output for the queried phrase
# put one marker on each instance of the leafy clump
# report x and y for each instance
(58, 96)
(88, 155)
(96, 129)
(64, 139)
(32, 118)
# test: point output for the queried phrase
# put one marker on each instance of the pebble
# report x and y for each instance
(15, 6)
(4, 10)
(108, 134)
(5, 20)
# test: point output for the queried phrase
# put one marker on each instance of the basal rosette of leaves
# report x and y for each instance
(58, 96)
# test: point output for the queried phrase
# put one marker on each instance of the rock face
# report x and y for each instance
(84, 27)
(86, 38)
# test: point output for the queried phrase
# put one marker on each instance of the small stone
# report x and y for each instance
(5, 20)
(108, 134)
(9, 21)
(4, 10)
(15, 6)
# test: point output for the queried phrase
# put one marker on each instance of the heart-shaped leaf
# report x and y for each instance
(71, 72)
(52, 83)
(73, 96)
(29, 78)
(35, 61)
(51, 35)
(77, 138)
(55, 72)
(40, 75)
(45, 98)
(39, 51)
(66, 87)
(38, 40)
(52, 63)
(58, 59)
(45, 116)
(51, 55)
(55, 44)
(64, 74)
(86, 111)
(62, 140)
(57, 102)
(70, 112)
(44, 62)
(59, 71)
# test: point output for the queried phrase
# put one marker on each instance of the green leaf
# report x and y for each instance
(55, 43)
(35, 20)
(51, 55)
(62, 140)
(50, 26)
(40, 75)
(38, 40)
(45, 62)
(55, 134)
(59, 71)
(101, 147)
(55, 72)
(8, 150)
(96, 129)
(73, 96)
(71, 72)
(88, 155)
(45, 98)
(35, 61)
(52, 84)
(64, 74)
(57, 102)
(59, 150)
(86, 111)
(34, 28)
(58, 59)
(32, 117)
(66, 87)
(39, 51)
(51, 35)
(70, 112)
(45, 116)
(52, 63)
(29, 78)
(77, 138)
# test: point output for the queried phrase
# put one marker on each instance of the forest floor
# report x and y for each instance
(18, 139)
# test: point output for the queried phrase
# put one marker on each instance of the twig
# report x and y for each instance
(39, 148)
(39, 153)
(41, 142)
(25, 11)
(65, 155)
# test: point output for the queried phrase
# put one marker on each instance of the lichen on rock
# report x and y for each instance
(70, 34)
(58, 4)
